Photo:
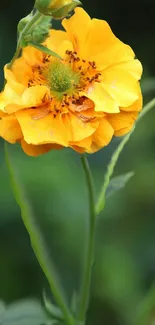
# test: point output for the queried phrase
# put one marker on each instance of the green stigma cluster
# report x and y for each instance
(62, 79)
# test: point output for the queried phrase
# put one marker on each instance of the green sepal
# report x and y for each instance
(23, 22)
(44, 49)
(38, 35)
(46, 21)
(39, 32)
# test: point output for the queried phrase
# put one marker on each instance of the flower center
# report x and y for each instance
(68, 80)
(61, 78)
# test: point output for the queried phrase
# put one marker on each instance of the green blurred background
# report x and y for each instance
(124, 269)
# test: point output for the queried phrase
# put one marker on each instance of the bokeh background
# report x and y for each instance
(124, 270)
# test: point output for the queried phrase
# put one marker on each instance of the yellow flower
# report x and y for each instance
(80, 101)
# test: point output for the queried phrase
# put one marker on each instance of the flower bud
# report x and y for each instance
(56, 8)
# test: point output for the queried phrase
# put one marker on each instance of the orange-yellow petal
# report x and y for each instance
(31, 97)
(85, 143)
(3, 101)
(116, 53)
(123, 122)
(137, 105)
(78, 149)
(66, 45)
(101, 40)
(21, 70)
(35, 96)
(77, 129)
(2, 114)
(36, 150)
(102, 99)
(102, 136)
(44, 130)
(77, 28)
(32, 56)
(10, 129)
(121, 86)
(133, 67)
(9, 96)
(94, 40)
(57, 40)
(12, 108)
(13, 82)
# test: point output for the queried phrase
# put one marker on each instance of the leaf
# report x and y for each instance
(2, 310)
(53, 310)
(118, 183)
(44, 49)
(26, 312)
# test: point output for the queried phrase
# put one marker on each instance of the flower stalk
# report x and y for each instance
(89, 258)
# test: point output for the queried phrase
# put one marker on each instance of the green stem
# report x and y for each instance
(37, 241)
(146, 109)
(28, 27)
(101, 200)
(85, 287)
